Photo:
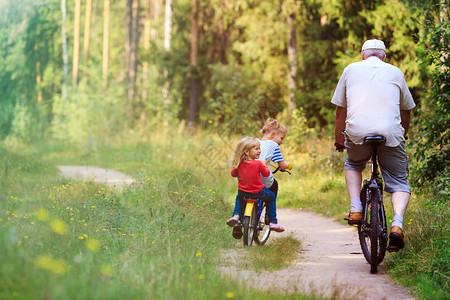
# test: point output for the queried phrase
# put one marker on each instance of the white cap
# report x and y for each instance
(373, 44)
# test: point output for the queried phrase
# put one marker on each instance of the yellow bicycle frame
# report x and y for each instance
(249, 207)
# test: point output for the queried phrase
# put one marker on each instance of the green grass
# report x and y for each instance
(424, 263)
(160, 238)
(268, 258)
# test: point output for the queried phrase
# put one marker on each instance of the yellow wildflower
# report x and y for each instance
(230, 295)
(92, 244)
(107, 270)
(58, 226)
(42, 214)
(57, 266)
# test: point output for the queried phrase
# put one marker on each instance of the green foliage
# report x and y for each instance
(432, 151)
(400, 29)
(237, 102)
(424, 264)
(299, 132)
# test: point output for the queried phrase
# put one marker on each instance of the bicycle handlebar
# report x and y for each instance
(278, 169)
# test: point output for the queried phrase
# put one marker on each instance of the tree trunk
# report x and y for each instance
(147, 38)
(134, 47)
(132, 37)
(168, 25)
(106, 14)
(167, 40)
(128, 38)
(222, 36)
(64, 46)
(76, 43)
(38, 75)
(195, 82)
(293, 62)
(87, 34)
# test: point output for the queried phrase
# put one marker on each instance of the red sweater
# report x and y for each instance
(249, 172)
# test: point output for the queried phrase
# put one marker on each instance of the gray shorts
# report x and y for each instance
(392, 160)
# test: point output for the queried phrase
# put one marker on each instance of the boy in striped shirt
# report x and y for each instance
(273, 135)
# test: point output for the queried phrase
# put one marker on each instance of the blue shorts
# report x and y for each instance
(392, 160)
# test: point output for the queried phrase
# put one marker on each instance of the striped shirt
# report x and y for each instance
(270, 151)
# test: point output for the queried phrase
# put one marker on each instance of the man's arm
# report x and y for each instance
(405, 116)
(339, 123)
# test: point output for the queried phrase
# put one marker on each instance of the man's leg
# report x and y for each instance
(400, 202)
(396, 238)
(353, 180)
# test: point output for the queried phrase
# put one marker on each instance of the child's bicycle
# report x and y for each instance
(255, 221)
(373, 229)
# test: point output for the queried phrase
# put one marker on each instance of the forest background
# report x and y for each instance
(77, 70)
(81, 72)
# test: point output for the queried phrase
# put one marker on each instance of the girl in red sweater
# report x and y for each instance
(249, 170)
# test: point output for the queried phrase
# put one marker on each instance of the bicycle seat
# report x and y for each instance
(248, 199)
(374, 140)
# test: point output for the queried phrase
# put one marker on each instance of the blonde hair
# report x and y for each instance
(273, 125)
(239, 154)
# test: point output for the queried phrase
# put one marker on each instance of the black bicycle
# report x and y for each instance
(372, 231)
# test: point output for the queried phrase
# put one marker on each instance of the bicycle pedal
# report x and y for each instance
(392, 248)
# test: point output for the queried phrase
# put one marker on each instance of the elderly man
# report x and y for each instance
(372, 98)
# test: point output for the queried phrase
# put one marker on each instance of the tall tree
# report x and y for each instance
(76, 42)
(167, 41)
(64, 46)
(87, 34)
(105, 56)
(131, 47)
(168, 25)
(147, 38)
(195, 80)
(293, 62)
(38, 74)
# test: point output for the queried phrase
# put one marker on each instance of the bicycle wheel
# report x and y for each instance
(246, 238)
(370, 231)
(262, 230)
(373, 234)
(249, 227)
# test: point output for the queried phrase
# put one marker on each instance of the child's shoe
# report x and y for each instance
(233, 221)
(276, 227)
(237, 231)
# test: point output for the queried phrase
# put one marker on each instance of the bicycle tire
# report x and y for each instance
(373, 234)
(262, 231)
(382, 237)
(364, 229)
(363, 235)
(246, 225)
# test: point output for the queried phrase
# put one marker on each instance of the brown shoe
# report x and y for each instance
(353, 217)
(396, 239)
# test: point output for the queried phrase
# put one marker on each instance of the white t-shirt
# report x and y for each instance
(374, 92)
(270, 151)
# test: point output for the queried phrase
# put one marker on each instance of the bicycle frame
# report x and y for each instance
(373, 227)
(372, 185)
(249, 206)
(253, 227)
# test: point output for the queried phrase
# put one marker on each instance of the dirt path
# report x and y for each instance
(111, 177)
(331, 263)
